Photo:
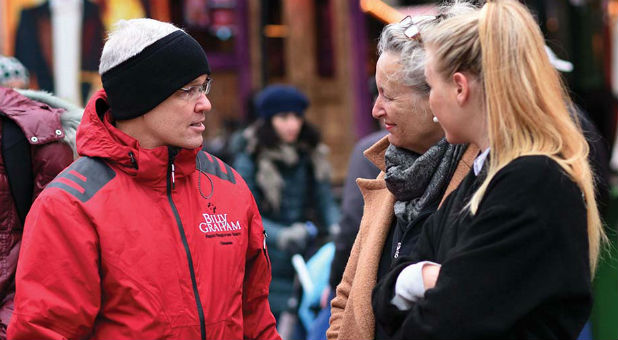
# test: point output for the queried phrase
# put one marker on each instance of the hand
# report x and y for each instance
(293, 239)
(430, 275)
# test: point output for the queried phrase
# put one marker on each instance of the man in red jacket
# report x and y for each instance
(145, 236)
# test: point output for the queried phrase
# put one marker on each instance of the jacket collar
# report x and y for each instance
(40, 122)
(70, 118)
(375, 153)
(97, 137)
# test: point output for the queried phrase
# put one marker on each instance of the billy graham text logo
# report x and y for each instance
(218, 223)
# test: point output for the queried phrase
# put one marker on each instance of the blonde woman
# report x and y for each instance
(511, 252)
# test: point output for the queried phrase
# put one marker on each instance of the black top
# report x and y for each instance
(518, 269)
(400, 242)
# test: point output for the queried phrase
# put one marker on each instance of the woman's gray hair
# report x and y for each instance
(410, 50)
(130, 37)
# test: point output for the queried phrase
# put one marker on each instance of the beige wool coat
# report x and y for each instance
(351, 313)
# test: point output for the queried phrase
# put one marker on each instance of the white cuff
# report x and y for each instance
(409, 286)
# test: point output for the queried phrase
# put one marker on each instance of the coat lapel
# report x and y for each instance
(377, 218)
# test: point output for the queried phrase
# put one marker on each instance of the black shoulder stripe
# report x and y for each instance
(212, 167)
(84, 178)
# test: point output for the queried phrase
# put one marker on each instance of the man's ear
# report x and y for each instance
(462, 87)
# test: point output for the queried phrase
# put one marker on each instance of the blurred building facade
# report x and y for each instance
(327, 49)
(320, 46)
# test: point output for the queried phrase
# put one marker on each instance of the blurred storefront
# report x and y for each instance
(580, 31)
(319, 46)
(64, 37)
(324, 47)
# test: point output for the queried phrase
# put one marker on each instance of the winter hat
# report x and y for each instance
(145, 62)
(11, 69)
(280, 98)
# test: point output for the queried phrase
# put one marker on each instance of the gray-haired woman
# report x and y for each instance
(419, 168)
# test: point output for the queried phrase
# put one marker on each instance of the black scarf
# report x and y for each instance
(419, 181)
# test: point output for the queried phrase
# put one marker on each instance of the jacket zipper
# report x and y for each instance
(173, 177)
(397, 250)
(170, 185)
(403, 237)
(265, 251)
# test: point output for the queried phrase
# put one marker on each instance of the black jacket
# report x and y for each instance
(518, 269)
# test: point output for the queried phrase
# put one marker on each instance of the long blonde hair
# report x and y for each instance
(526, 102)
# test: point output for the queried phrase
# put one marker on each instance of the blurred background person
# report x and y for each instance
(60, 42)
(13, 74)
(37, 139)
(286, 167)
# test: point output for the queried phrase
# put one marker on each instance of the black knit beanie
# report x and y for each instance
(140, 83)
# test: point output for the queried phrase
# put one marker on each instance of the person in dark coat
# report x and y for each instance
(287, 169)
(512, 252)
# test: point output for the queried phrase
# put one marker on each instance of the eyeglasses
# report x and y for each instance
(193, 92)
(411, 23)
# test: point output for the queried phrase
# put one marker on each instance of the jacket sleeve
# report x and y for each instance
(58, 283)
(259, 322)
(524, 249)
(339, 302)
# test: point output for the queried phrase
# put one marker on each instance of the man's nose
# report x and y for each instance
(203, 104)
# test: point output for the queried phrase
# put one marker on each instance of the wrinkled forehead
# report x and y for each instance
(388, 68)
